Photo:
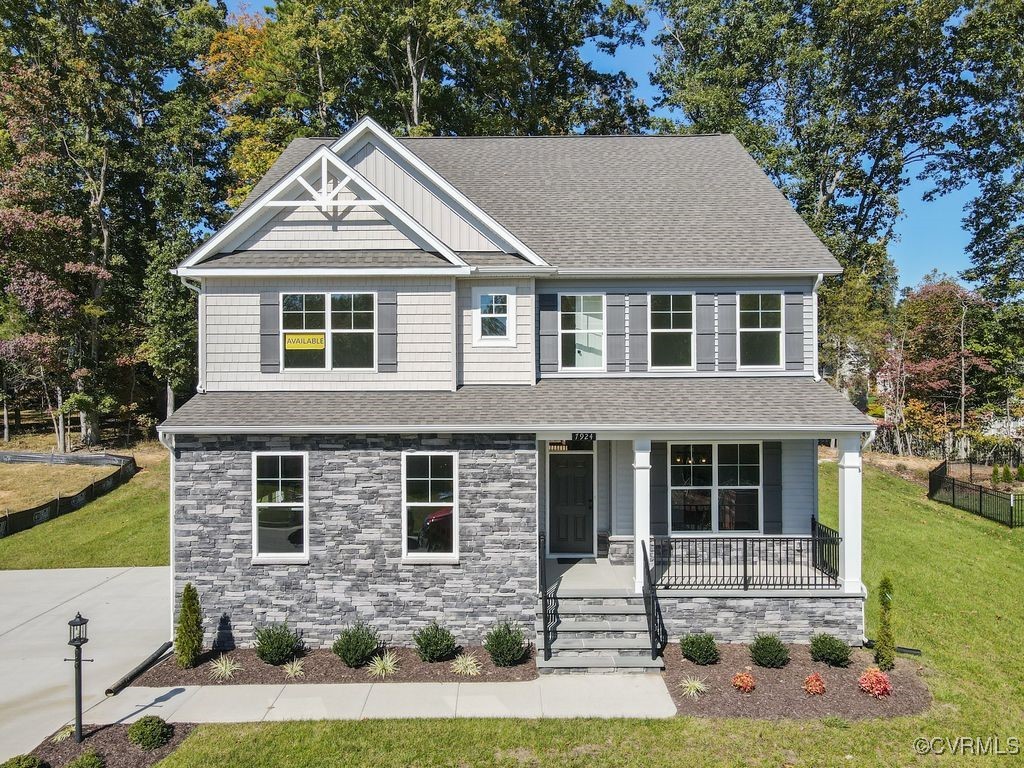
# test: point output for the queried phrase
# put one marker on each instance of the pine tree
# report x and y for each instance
(1007, 477)
(188, 638)
(885, 646)
(995, 475)
(1020, 473)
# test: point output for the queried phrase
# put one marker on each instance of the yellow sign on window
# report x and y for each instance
(304, 341)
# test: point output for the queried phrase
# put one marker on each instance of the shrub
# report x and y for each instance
(743, 682)
(699, 648)
(62, 735)
(768, 651)
(1020, 473)
(223, 668)
(995, 474)
(506, 644)
(383, 665)
(88, 759)
(1007, 477)
(356, 644)
(814, 685)
(293, 669)
(694, 687)
(276, 644)
(875, 682)
(150, 732)
(467, 665)
(830, 650)
(23, 761)
(434, 643)
(885, 646)
(188, 635)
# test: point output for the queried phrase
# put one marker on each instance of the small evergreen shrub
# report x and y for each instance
(995, 474)
(356, 644)
(150, 732)
(434, 642)
(885, 646)
(22, 761)
(743, 682)
(699, 648)
(1007, 477)
(506, 644)
(88, 759)
(830, 650)
(276, 644)
(814, 685)
(768, 651)
(875, 682)
(188, 635)
(1020, 473)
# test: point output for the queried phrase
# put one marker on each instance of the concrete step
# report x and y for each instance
(609, 662)
(575, 608)
(601, 643)
(603, 626)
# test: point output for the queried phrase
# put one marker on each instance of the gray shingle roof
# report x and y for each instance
(571, 404)
(684, 202)
(324, 259)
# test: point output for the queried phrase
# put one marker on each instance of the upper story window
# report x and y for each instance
(671, 330)
(280, 508)
(760, 330)
(430, 505)
(714, 487)
(494, 321)
(581, 331)
(350, 326)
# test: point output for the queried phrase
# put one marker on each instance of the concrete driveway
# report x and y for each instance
(128, 611)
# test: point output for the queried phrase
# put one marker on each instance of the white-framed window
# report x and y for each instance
(494, 317)
(671, 338)
(280, 507)
(581, 331)
(430, 506)
(760, 317)
(329, 331)
(714, 487)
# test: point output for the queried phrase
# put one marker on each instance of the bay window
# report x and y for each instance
(581, 331)
(714, 487)
(671, 330)
(760, 330)
(280, 507)
(343, 337)
(429, 505)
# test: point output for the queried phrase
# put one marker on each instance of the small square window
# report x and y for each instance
(492, 316)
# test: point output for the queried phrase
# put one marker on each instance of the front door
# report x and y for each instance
(571, 503)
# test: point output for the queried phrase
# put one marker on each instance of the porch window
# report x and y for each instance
(280, 509)
(430, 505)
(671, 330)
(714, 487)
(581, 331)
(350, 326)
(760, 330)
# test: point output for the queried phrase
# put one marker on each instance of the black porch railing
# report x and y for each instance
(656, 630)
(548, 600)
(748, 562)
(1005, 508)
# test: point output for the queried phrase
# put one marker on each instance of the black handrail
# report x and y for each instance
(548, 610)
(825, 543)
(656, 630)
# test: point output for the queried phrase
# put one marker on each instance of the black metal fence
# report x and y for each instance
(22, 520)
(1005, 508)
(548, 599)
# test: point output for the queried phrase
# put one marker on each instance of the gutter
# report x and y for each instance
(814, 323)
(167, 440)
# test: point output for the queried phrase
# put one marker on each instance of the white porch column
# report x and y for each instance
(850, 527)
(641, 506)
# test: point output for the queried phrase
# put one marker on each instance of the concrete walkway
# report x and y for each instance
(129, 617)
(599, 696)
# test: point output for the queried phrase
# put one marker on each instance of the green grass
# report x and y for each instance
(957, 581)
(128, 526)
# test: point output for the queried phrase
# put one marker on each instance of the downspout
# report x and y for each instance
(814, 315)
(197, 287)
(167, 440)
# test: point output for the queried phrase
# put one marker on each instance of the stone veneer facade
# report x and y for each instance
(355, 570)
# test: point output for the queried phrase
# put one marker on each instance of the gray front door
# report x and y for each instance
(571, 503)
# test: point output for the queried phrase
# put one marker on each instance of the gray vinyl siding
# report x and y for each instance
(425, 338)
(492, 364)
(306, 229)
(604, 486)
(622, 488)
(799, 486)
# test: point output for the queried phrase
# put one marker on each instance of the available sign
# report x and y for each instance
(304, 341)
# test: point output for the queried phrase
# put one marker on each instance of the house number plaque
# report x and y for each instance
(578, 437)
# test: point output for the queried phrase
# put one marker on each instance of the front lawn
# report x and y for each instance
(957, 581)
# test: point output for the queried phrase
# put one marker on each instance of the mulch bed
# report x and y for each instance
(322, 666)
(779, 693)
(111, 742)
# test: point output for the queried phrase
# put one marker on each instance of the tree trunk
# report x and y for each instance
(62, 444)
(7, 424)
(170, 400)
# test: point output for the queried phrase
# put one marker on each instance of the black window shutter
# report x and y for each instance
(547, 329)
(659, 489)
(616, 308)
(270, 332)
(387, 331)
(771, 461)
(727, 334)
(794, 331)
(638, 332)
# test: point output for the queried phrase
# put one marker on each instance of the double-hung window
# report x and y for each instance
(760, 330)
(280, 507)
(328, 331)
(494, 322)
(671, 330)
(581, 331)
(714, 487)
(430, 506)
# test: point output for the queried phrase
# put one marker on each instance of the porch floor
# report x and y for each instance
(589, 573)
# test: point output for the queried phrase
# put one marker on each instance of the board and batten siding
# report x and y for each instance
(479, 364)
(426, 350)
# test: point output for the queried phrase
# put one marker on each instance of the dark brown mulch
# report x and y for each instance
(322, 666)
(111, 742)
(780, 694)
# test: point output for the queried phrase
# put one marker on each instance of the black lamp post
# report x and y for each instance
(77, 637)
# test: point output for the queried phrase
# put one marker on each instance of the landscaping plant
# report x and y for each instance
(293, 669)
(743, 682)
(188, 635)
(62, 735)
(814, 684)
(1020, 473)
(22, 761)
(1007, 477)
(875, 682)
(467, 665)
(830, 650)
(434, 642)
(885, 646)
(150, 732)
(383, 665)
(995, 475)
(694, 687)
(88, 759)
(223, 668)
(356, 644)
(699, 648)
(506, 644)
(769, 651)
(276, 644)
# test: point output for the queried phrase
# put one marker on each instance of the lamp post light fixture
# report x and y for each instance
(77, 637)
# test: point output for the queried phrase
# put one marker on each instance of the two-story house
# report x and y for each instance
(439, 376)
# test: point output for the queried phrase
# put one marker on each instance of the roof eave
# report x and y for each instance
(323, 272)
(652, 429)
